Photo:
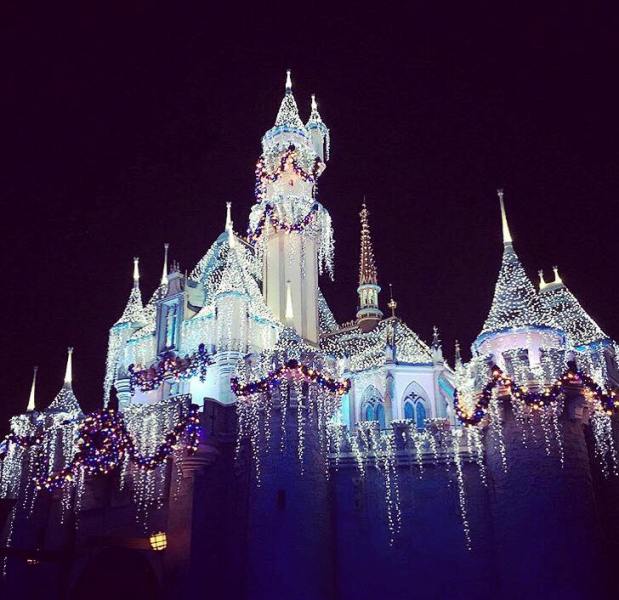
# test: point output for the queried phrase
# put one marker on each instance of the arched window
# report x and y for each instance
(380, 414)
(415, 405)
(409, 410)
(372, 408)
(420, 415)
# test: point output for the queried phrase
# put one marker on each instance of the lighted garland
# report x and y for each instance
(25, 441)
(263, 175)
(170, 367)
(279, 225)
(292, 369)
(534, 399)
(104, 442)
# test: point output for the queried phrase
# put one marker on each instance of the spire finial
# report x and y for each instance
(458, 357)
(557, 276)
(31, 406)
(392, 304)
(436, 340)
(507, 236)
(314, 104)
(68, 374)
(136, 271)
(289, 314)
(288, 81)
(164, 273)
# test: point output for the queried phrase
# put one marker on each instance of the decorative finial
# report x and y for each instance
(458, 357)
(507, 236)
(288, 81)
(557, 276)
(68, 374)
(164, 274)
(314, 104)
(436, 340)
(542, 283)
(136, 271)
(392, 304)
(289, 314)
(31, 406)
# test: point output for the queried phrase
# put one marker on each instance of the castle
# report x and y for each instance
(250, 445)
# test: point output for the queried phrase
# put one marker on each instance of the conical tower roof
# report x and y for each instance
(515, 302)
(65, 401)
(134, 310)
(569, 315)
(288, 113)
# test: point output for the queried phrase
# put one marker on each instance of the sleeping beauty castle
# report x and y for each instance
(249, 444)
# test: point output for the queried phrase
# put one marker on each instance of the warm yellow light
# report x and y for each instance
(158, 541)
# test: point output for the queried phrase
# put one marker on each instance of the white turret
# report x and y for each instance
(31, 405)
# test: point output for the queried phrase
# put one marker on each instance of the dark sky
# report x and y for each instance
(125, 129)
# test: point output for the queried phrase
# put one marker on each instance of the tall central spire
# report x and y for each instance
(368, 314)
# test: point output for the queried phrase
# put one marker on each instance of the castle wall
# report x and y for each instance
(429, 557)
(545, 516)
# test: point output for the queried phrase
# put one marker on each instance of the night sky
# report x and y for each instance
(127, 129)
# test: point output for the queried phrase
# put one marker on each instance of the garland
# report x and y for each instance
(104, 441)
(290, 370)
(280, 225)
(170, 367)
(262, 175)
(534, 399)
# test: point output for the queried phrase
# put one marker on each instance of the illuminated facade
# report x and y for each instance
(335, 460)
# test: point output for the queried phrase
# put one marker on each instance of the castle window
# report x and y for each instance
(409, 411)
(415, 405)
(372, 407)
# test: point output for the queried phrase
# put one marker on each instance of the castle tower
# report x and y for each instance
(293, 223)
(517, 318)
(368, 314)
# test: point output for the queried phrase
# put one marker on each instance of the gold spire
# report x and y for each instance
(557, 276)
(164, 274)
(68, 374)
(288, 81)
(367, 264)
(542, 283)
(507, 236)
(31, 406)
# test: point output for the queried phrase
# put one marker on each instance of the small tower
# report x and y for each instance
(294, 223)
(517, 318)
(368, 314)
(319, 132)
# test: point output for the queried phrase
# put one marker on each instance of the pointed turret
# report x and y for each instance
(368, 314)
(318, 131)
(31, 405)
(569, 315)
(515, 303)
(65, 401)
(288, 113)
(134, 310)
